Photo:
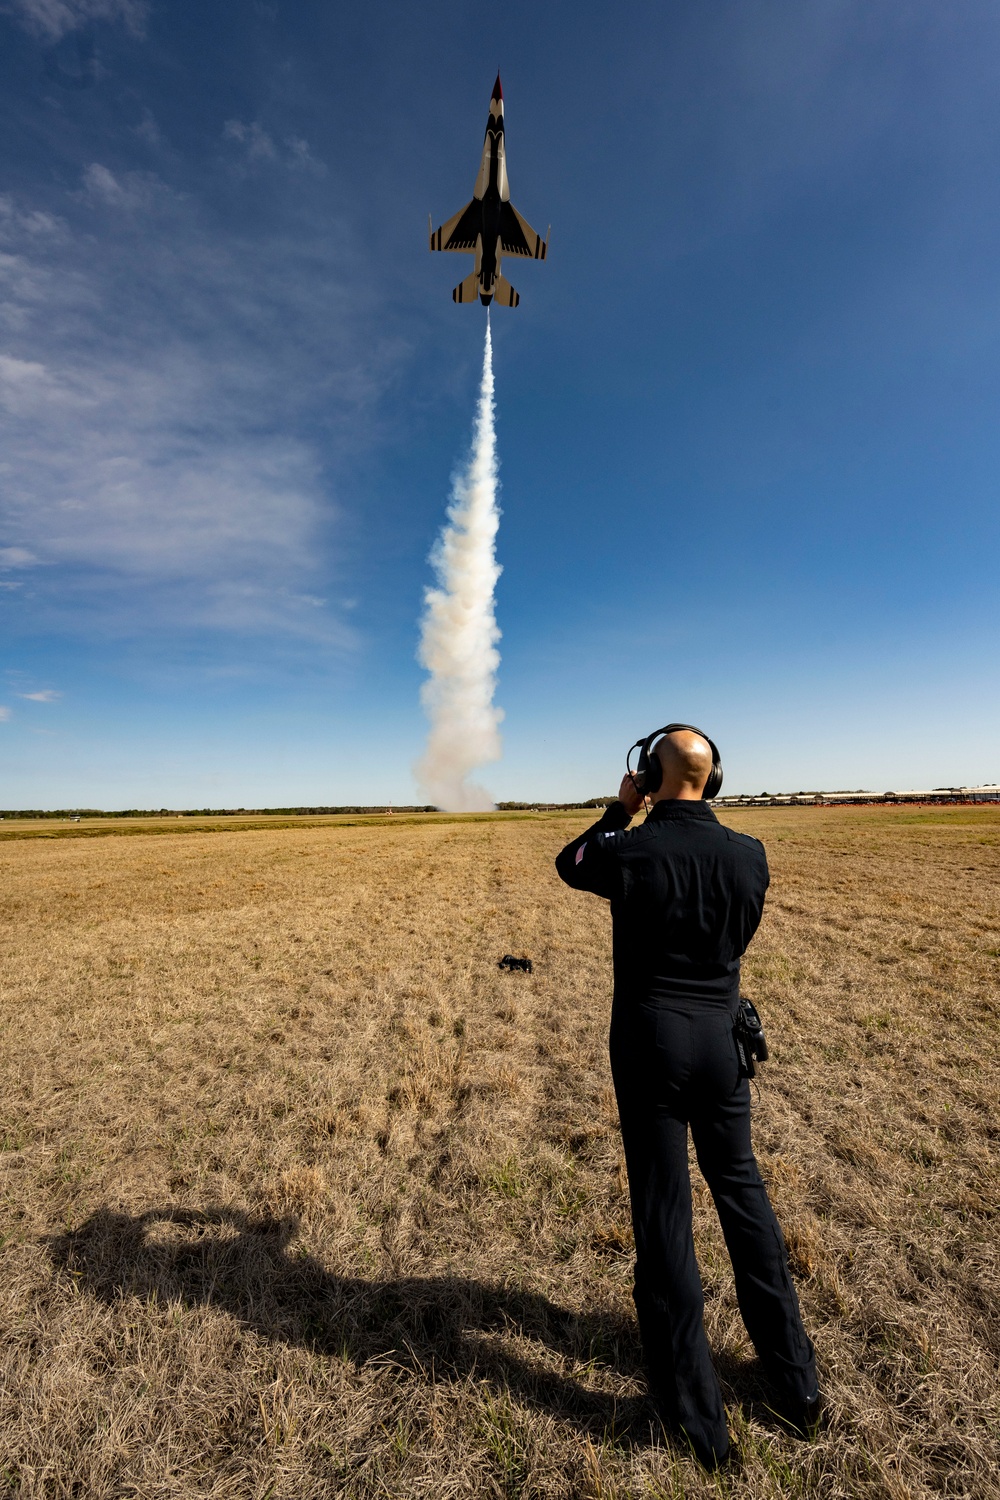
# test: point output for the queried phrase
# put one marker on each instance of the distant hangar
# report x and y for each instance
(943, 794)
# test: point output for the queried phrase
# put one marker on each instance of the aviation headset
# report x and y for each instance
(649, 768)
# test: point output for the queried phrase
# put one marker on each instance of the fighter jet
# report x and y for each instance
(490, 226)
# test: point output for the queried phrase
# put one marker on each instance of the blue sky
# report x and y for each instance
(747, 409)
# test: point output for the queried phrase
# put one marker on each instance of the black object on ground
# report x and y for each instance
(510, 963)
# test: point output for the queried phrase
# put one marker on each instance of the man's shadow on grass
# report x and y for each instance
(437, 1328)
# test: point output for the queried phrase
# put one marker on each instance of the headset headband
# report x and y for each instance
(649, 766)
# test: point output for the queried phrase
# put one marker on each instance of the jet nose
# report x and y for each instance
(497, 90)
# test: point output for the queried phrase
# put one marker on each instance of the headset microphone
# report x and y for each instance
(649, 768)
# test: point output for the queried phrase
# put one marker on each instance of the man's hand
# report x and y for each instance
(629, 796)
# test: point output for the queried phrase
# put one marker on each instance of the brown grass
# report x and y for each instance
(303, 1198)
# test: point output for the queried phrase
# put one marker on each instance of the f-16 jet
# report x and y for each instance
(490, 226)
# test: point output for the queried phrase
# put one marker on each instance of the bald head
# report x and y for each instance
(686, 759)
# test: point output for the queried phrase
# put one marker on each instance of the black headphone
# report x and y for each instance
(651, 771)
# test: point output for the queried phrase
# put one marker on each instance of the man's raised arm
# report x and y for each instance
(585, 863)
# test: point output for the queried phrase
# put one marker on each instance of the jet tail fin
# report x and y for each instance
(467, 290)
(504, 293)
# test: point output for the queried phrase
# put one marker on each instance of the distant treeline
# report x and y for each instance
(552, 806)
(274, 812)
(203, 812)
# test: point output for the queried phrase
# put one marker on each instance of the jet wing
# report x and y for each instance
(461, 231)
(517, 236)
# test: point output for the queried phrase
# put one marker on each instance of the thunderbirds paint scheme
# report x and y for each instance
(490, 226)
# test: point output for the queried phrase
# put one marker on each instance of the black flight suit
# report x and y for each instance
(686, 897)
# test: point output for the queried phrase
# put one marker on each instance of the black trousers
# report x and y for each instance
(674, 1065)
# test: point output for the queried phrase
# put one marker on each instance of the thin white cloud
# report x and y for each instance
(257, 143)
(300, 156)
(52, 19)
(31, 222)
(16, 557)
(27, 388)
(159, 406)
(258, 147)
(149, 131)
(46, 695)
(129, 190)
(4, 714)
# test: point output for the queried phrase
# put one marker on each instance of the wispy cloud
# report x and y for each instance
(127, 191)
(16, 557)
(52, 19)
(46, 695)
(300, 156)
(4, 714)
(161, 403)
(257, 146)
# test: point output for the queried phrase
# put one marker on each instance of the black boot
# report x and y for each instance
(801, 1419)
(666, 1421)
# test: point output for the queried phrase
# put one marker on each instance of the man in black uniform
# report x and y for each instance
(686, 897)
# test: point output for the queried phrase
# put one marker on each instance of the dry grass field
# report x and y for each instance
(303, 1198)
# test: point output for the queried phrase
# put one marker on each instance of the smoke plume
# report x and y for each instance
(459, 635)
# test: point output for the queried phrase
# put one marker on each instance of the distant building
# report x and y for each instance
(940, 794)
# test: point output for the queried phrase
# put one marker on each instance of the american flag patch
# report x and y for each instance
(579, 854)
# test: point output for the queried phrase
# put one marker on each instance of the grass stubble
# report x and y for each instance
(301, 1197)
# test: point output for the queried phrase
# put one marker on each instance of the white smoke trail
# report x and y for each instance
(458, 642)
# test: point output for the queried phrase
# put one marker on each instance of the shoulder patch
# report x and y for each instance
(746, 839)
